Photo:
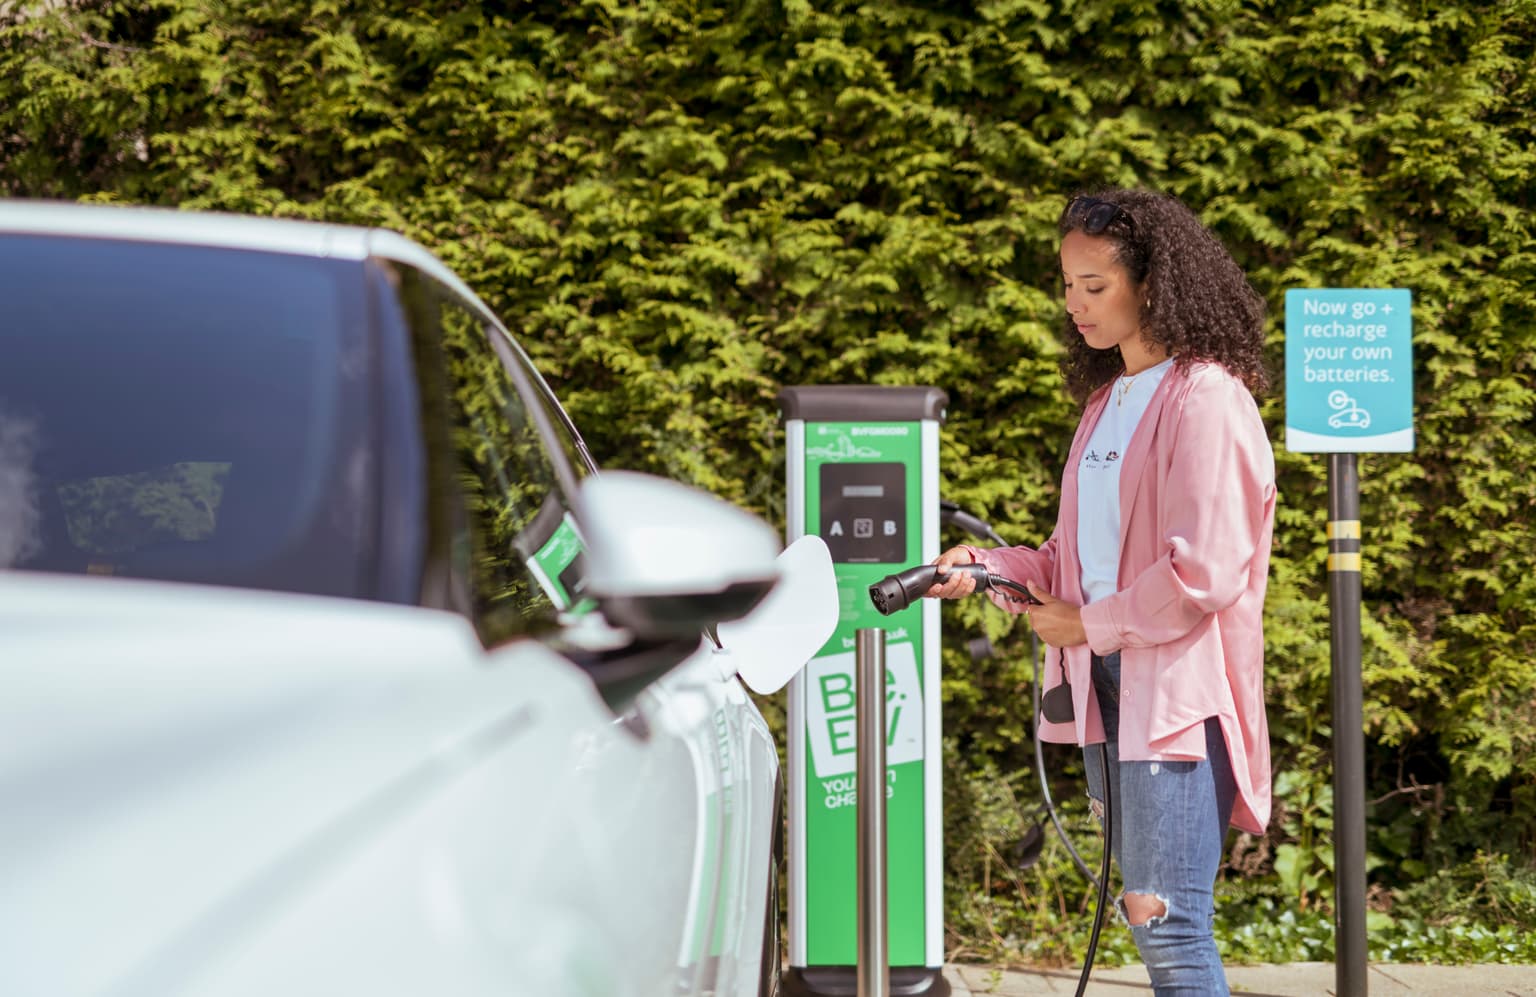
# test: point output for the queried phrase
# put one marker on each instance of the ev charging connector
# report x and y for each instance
(862, 473)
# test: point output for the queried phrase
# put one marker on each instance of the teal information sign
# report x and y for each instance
(1349, 370)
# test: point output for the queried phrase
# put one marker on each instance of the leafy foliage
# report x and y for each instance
(125, 512)
(682, 205)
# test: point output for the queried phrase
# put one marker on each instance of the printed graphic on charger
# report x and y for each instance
(830, 717)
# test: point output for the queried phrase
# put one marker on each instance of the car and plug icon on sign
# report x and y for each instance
(1348, 414)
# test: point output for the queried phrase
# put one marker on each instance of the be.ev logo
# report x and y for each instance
(830, 717)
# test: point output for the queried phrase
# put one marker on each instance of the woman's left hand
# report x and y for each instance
(1059, 624)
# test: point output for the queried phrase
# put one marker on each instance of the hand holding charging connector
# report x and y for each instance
(894, 593)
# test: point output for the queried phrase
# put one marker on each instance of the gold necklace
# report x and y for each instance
(1123, 387)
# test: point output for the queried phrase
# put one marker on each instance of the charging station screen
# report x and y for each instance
(864, 512)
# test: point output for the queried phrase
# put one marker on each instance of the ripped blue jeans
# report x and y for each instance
(1170, 826)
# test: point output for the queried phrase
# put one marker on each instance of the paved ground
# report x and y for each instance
(1305, 979)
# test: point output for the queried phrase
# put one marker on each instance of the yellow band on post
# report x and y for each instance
(1344, 529)
(1344, 562)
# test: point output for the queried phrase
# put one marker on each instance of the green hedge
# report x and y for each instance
(681, 206)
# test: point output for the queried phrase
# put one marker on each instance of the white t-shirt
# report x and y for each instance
(1098, 479)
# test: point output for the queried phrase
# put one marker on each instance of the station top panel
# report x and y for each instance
(862, 403)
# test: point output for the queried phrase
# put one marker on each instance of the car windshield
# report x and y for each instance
(182, 413)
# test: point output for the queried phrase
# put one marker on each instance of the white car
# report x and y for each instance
(328, 666)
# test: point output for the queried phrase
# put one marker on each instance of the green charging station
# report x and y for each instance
(862, 473)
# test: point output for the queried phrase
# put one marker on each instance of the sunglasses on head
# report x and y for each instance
(1098, 214)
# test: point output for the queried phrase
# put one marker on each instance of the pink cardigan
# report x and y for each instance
(1197, 500)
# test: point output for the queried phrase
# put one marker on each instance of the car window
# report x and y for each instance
(513, 542)
(183, 413)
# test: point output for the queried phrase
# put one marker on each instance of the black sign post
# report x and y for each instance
(1349, 957)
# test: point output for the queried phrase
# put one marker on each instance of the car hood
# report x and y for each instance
(92, 665)
(177, 760)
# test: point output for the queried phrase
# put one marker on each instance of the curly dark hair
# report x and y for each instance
(1196, 302)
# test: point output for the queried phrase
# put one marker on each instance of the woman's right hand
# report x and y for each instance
(956, 585)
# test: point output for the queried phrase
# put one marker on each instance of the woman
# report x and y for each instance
(1152, 583)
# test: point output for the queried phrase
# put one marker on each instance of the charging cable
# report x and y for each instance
(894, 593)
(951, 514)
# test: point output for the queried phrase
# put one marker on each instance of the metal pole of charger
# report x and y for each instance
(874, 971)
